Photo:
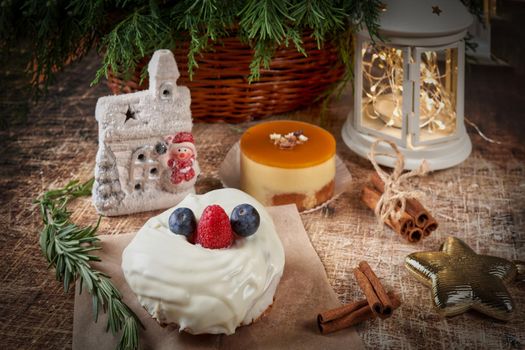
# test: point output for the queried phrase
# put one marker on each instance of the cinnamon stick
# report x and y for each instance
(413, 207)
(386, 305)
(431, 226)
(415, 234)
(377, 182)
(355, 317)
(341, 311)
(367, 288)
(370, 197)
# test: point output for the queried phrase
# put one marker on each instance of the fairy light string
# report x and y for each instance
(383, 77)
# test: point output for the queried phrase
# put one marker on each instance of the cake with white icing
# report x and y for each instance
(209, 265)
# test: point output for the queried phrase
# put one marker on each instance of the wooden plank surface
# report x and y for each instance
(481, 201)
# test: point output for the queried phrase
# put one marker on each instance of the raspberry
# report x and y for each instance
(214, 230)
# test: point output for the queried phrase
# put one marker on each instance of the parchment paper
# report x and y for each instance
(230, 174)
(303, 292)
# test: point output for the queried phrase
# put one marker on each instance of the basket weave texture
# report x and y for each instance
(220, 90)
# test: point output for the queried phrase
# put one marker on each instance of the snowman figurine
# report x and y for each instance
(182, 159)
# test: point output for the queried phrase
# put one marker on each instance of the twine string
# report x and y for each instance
(480, 133)
(392, 202)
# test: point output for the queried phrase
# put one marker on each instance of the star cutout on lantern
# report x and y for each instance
(383, 7)
(129, 114)
(436, 10)
(461, 280)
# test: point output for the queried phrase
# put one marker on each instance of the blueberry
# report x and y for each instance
(182, 222)
(244, 220)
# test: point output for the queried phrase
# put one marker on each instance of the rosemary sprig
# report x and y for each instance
(67, 247)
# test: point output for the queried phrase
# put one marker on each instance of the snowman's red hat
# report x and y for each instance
(183, 137)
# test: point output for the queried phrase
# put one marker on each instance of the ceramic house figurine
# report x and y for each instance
(146, 158)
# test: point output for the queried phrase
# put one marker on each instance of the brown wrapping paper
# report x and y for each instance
(303, 292)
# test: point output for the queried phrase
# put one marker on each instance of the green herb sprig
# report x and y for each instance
(67, 247)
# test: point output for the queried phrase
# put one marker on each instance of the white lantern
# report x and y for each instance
(408, 86)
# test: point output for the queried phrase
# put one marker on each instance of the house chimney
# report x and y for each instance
(163, 75)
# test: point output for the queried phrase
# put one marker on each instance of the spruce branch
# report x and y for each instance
(262, 56)
(136, 36)
(68, 249)
(322, 17)
(265, 20)
(127, 31)
(201, 21)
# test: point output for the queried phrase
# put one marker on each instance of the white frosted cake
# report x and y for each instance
(220, 282)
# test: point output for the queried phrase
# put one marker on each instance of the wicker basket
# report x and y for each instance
(220, 90)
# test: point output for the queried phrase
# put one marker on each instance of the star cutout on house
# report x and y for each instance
(461, 280)
(436, 10)
(129, 114)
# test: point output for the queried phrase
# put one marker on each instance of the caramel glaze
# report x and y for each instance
(256, 145)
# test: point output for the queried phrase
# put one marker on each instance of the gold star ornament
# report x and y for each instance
(461, 280)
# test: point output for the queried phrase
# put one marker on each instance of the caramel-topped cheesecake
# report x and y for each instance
(284, 162)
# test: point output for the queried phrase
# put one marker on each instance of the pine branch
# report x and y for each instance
(68, 247)
(476, 8)
(126, 31)
(262, 56)
(265, 20)
(202, 21)
(322, 17)
(132, 39)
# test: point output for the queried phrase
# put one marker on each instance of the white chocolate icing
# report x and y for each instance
(205, 290)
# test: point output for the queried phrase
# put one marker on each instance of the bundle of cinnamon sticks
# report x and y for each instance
(415, 223)
(378, 303)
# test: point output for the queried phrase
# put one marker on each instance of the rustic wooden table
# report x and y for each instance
(482, 201)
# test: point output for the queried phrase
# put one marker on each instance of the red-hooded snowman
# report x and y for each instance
(181, 159)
